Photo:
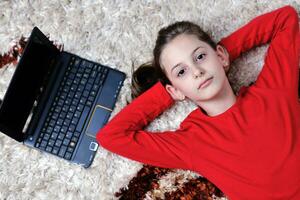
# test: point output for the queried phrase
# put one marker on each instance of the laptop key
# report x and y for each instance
(77, 114)
(55, 116)
(54, 135)
(88, 86)
(82, 119)
(42, 148)
(52, 122)
(72, 109)
(57, 128)
(85, 75)
(68, 156)
(85, 93)
(74, 120)
(70, 149)
(58, 143)
(72, 144)
(66, 141)
(91, 98)
(62, 151)
(51, 142)
(59, 121)
(61, 136)
(65, 108)
(71, 76)
(62, 115)
(43, 143)
(69, 116)
(69, 135)
(60, 102)
(63, 129)
(67, 122)
(48, 149)
(97, 81)
(75, 102)
(77, 134)
(77, 62)
(80, 88)
(93, 93)
(77, 95)
(63, 96)
(80, 107)
(55, 150)
(72, 128)
(49, 129)
(46, 136)
(74, 139)
(90, 80)
(89, 103)
(71, 95)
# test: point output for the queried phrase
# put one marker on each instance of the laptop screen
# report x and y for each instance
(26, 84)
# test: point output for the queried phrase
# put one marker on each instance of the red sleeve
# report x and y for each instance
(125, 136)
(281, 66)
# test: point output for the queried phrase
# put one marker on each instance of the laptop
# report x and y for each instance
(57, 101)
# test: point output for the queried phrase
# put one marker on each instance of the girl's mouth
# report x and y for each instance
(205, 83)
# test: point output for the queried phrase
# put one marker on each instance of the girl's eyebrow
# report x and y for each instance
(191, 54)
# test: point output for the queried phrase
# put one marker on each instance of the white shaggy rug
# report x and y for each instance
(120, 34)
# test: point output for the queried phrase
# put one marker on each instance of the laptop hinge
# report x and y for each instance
(41, 99)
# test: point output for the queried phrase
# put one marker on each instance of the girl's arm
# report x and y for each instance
(125, 136)
(279, 27)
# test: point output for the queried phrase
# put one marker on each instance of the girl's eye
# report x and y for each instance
(181, 73)
(200, 56)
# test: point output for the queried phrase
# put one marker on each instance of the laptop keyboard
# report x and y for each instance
(73, 102)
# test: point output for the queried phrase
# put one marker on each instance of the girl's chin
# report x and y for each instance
(206, 95)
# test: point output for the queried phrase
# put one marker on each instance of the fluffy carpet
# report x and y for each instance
(120, 34)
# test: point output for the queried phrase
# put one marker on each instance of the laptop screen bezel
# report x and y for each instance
(14, 131)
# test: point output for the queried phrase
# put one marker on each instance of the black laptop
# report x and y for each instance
(57, 101)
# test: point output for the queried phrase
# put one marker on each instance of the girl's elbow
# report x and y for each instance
(291, 12)
(102, 137)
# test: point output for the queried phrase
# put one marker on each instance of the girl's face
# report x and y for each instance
(189, 62)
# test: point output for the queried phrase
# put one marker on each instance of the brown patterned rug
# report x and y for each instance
(147, 179)
(12, 55)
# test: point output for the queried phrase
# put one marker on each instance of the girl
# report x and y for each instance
(247, 145)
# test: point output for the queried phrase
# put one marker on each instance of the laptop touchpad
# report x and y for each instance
(98, 120)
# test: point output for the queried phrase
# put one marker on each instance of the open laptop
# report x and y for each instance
(57, 101)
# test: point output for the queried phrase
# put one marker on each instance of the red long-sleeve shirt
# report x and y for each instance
(252, 150)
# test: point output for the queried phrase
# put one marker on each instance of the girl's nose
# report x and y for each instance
(197, 72)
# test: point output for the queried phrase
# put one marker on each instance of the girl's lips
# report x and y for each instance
(205, 83)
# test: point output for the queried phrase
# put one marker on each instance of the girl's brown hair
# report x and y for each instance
(149, 73)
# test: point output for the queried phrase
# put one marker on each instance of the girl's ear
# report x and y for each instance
(224, 56)
(175, 93)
